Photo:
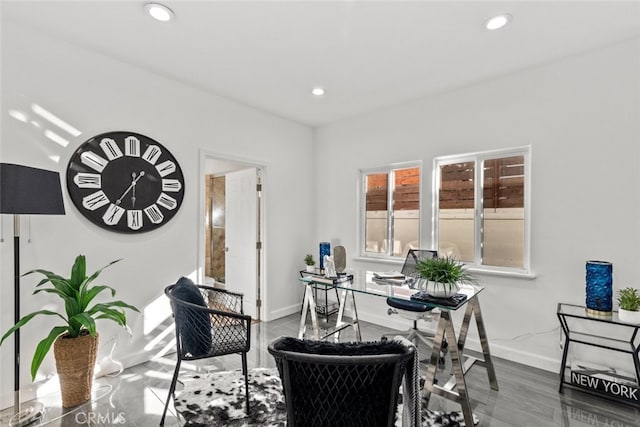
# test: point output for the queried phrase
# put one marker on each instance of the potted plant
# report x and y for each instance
(310, 262)
(629, 305)
(443, 275)
(74, 339)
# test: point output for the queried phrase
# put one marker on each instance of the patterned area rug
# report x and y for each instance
(217, 399)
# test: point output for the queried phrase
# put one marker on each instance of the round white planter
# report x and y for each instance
(441, 290)
(628, 316)
(310, 268)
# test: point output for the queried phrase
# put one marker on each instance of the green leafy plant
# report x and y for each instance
(77, 295)
(446, 271)
(308, 259)
(629, 299)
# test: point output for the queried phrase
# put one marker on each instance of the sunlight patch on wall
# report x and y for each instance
(156, 312)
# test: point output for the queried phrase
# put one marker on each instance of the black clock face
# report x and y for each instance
(125, 182)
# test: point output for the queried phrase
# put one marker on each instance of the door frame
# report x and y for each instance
(205, 154)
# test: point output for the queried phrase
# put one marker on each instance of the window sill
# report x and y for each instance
(377, 260)
(527, 275)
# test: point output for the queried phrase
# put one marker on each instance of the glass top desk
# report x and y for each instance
(455, 389)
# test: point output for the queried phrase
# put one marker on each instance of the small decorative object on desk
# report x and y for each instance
(310, 262)
(443, 275)
(325, 249)
(340, 258)
(329, 267)
(599, 292)
(629, 305)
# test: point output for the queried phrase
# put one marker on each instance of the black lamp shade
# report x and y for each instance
(26, 190)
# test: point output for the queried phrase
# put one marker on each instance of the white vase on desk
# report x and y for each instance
(442, 290)
(628, 316)
(310, 268)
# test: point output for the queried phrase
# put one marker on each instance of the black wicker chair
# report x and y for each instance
(341, 384)
(209, 322)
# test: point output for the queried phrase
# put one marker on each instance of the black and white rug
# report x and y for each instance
(218, 399)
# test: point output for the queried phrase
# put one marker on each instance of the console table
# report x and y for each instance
(612, 335)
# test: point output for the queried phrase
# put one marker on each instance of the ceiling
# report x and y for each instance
(368, 55)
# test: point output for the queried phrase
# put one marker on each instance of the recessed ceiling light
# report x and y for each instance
(160, 12)
(317, 91)
(498, 21)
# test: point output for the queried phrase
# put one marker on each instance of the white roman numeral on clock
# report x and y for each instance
(134, 219)
(172, 185)
(94, 161)
(166, 168)
(167, 202)
(132, 146)
(154, 214)
(95, 200)
(113, 214)
(110, 148)
(152, 153)
(88, 180)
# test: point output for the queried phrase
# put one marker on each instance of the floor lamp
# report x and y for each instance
(25, 191)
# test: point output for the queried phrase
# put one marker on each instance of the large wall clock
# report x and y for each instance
(125, 182)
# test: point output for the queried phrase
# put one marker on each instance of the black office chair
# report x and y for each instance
(414, 311)
(209, 322)
(341, 384)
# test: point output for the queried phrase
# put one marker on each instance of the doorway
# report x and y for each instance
(231, 245)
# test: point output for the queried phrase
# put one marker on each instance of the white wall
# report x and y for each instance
(582, 119)
(98, 94)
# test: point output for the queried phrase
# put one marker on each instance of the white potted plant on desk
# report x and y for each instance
(310, 262)
(443, 276)
(629, 305)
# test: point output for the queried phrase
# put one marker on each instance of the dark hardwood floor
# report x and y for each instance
(527, 397)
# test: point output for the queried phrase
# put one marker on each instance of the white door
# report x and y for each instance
(241, 219)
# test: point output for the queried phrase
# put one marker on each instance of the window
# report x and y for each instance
(481, 208)
(390, 210)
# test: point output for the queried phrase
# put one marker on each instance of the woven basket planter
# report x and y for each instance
(75, 361)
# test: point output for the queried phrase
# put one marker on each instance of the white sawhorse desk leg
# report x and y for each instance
(309, 305)
(340, 324)
(460, 365)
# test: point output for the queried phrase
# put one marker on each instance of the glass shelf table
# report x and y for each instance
(54, 414)
(606, 332)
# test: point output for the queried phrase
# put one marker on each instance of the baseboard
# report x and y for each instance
(383, 319)
(497, 350)
(286, 311)
(518, 356)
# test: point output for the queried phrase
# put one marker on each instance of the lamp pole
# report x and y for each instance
(26, 190)
(16, 312)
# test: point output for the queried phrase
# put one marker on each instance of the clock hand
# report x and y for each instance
(133, 183)
(133, 191)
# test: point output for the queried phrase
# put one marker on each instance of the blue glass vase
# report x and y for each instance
(599, 288)
(325, 249)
